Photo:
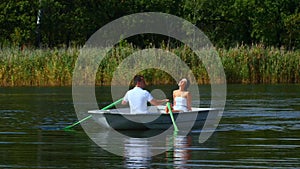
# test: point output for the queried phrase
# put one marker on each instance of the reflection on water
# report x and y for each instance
(259, 129)
(180, 152)
(137, 153)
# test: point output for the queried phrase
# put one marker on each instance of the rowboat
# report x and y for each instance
(158, 118)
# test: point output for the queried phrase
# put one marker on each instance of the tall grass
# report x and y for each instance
(242, 64)
(31, 67)
(259, 64)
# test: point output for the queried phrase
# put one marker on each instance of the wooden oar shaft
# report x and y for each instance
(105, 108)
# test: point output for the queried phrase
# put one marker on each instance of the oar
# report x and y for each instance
(105, 108)
(172, 118)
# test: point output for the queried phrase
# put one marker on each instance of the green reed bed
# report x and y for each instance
(242, 64)
(31, 67)
(259, 64)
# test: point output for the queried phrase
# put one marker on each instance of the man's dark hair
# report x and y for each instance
(138, 78)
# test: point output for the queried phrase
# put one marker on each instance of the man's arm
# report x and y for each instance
(156, 102)
(125, 99)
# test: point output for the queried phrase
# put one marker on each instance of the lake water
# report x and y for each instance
(260, 128)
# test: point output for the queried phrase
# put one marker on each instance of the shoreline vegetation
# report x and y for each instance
(243, 64)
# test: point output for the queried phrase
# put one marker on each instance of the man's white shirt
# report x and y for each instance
(138, 98)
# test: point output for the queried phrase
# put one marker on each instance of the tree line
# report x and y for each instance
(227, 23)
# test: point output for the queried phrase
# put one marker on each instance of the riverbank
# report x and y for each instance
(242, 64)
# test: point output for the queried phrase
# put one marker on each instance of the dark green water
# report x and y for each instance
(260, 128)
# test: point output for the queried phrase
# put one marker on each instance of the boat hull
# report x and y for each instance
(123, 120)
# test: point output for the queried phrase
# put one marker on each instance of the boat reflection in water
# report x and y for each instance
(180, 153)
(137, 153)
(138, 149)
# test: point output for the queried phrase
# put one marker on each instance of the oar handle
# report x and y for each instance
(105, 108)
(112, 104)
(172, 118)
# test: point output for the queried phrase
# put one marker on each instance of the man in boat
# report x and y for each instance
(138, 97)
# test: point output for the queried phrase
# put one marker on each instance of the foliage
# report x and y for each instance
(227, 23)
(18, 22)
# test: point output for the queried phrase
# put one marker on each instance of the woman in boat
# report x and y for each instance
(182, 98)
